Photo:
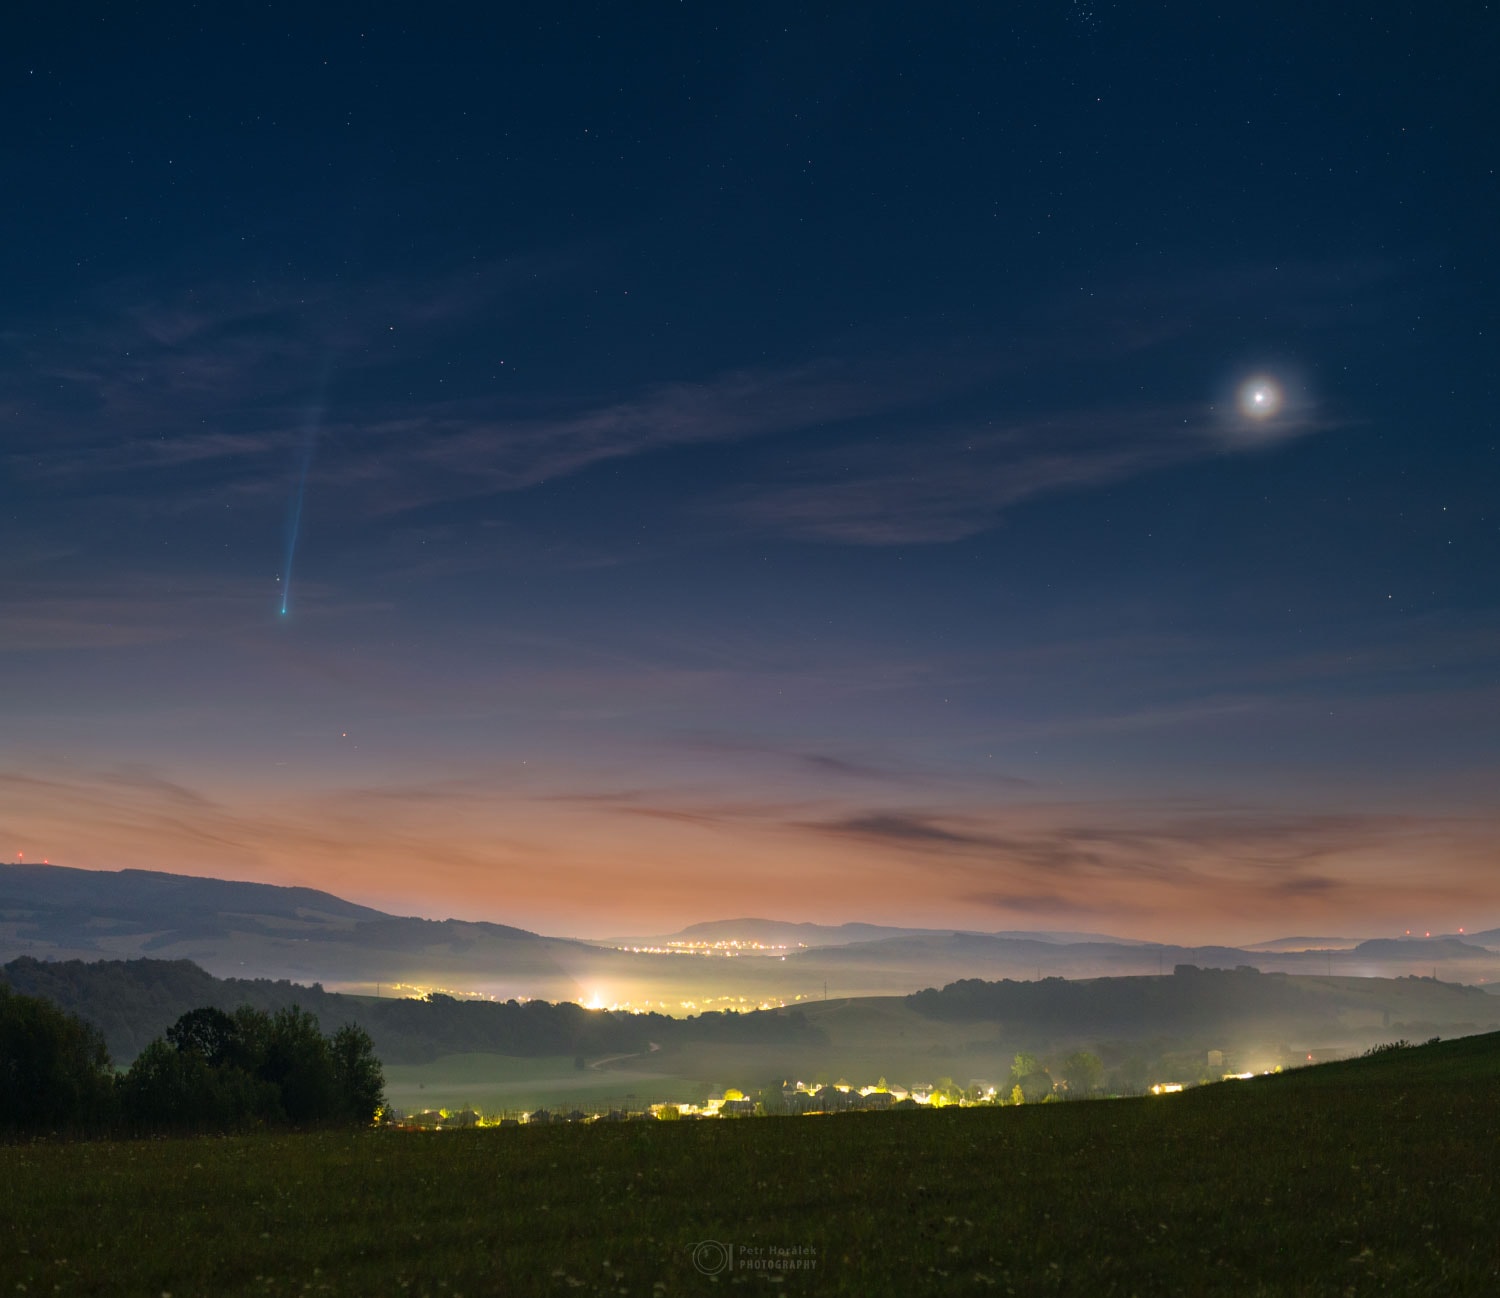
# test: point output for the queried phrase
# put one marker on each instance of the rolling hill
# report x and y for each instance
(255, 930)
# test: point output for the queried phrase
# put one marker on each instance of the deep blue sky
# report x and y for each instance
(759, 460)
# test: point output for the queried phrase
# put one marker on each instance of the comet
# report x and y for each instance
(312, 426)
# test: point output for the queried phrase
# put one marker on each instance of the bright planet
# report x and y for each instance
(1260, 398)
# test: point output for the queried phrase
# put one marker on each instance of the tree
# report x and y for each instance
(208, 1033)
(173, 1083)
(161, 1086)
(252, 1038)
(54, 1069)
(298, 1062)
(1029, 1078)
(357, 1074)
(1023, 1066)
(1083, 1072)
(1035, 1086)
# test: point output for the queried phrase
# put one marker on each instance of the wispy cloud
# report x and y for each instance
(1085, 858)
(220, 377)
(465, 450)
(168, 396)
(949, 483)
(804, 760)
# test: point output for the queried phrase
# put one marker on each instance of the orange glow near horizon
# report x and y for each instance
(608, 866)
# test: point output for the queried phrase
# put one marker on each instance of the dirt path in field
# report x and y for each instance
(651, 1048)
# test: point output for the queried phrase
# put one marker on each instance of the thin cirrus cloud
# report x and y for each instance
(221, 370)
(459, 451)
(225, 375)
(1174, 858)
(391, 459)
(800, 761)
(955, 482)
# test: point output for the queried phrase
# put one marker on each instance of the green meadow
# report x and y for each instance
(496, 1084)
(1376, 1176)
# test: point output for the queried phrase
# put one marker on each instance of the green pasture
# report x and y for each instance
(502, 1083)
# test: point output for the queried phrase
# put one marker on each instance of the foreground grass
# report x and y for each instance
(1382, 1180)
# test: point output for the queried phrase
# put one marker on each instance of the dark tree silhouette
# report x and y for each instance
(209, 1033)
(357, 1075)
(54, 1069)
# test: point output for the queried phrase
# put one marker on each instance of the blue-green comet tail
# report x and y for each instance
(310, 430)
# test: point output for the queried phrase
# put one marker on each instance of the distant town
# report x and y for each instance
(1029, 1084)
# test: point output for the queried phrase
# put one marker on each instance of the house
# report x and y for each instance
(830, 1099)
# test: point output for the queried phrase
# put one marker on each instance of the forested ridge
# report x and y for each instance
(133, 1001)
(1192, 1000)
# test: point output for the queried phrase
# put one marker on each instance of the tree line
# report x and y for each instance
(213, 1070)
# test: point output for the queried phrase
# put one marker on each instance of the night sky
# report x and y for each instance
(598, 469)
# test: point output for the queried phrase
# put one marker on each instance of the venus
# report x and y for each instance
(1260, 398)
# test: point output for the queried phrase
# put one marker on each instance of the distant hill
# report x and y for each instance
(1489, 937)
(1413, 948)
(779, 933)
(1225, 1003)
(970, 1027)
(259, 930)
(133, 1001)
(126, 896)
(255, 930)
(1306, 944)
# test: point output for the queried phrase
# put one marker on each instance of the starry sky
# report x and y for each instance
(599, 468)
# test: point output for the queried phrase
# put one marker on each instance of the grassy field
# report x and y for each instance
(1370, 1177)
(501, 1083)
